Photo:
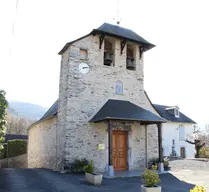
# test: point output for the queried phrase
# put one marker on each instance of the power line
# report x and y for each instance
(13, 27)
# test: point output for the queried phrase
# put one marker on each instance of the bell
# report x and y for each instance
(107, 58)
(129, 63)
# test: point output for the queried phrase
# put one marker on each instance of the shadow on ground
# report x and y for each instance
(42, 180)
(169, 183)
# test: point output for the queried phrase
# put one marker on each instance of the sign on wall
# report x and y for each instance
(101, 146)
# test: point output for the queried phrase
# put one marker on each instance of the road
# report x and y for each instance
(42, 180)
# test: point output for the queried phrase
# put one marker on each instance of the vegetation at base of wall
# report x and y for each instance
(89, 168)
(204, 152)
(155, 162)
(3, 151)
(78, 165)
(16, 147)
(150, 178)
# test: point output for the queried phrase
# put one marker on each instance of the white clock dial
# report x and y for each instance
(83, 68)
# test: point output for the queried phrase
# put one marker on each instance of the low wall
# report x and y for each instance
(20, 161)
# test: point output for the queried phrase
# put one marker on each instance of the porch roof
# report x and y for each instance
(125, 110)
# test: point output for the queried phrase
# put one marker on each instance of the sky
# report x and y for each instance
(176, 70)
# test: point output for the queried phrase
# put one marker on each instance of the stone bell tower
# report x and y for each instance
(105, 64)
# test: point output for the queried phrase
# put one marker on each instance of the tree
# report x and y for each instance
(198, 145)
(17, 125)
(3, 107)
(197, 140)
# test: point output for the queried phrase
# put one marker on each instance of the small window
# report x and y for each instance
(83, 54)
(108, 45)
(119, 87)
(130, 61)
(173, 142)
(181, 133)
(176, 112)
(108, 53)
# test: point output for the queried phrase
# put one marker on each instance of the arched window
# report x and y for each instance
(181, 133)
(108, 52)
(119, 87)
(130, 61)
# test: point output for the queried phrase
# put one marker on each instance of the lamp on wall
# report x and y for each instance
(181, 125)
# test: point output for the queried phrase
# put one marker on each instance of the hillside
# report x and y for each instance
(27, 110)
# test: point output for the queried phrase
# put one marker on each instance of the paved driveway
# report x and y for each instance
(41, 180)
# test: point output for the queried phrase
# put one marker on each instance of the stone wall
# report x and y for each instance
(42, 144)
(82, 95)
(62, 110)
(14, 162)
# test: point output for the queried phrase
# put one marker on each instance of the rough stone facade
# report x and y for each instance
(42, 144)
(60, 140)
(82, 95)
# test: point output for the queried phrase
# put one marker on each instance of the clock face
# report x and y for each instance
(84, 68)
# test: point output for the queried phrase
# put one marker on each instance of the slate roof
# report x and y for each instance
(115, 31)
(121, 32)
(171, 117)
(125, 110)
(51, 111)
(9, 137)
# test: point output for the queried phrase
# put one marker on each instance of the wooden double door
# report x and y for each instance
(119, 150)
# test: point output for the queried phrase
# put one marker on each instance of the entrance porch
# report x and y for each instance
(128, 127)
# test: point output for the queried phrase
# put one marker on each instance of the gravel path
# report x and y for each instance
(195, 171)
(190, 164)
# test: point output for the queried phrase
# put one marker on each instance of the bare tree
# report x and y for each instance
(197, 140)
(17, 125)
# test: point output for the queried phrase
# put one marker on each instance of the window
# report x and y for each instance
(119, 87)
(108, 53)
(83, 54)
(173, 142)
(130, 61)
(176, 112)
(181, 133)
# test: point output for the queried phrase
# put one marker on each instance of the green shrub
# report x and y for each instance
(89, 168)
(3, 152)
(150, 178)
(198, 189)
(166, 162)
(78, 165)
(204, 152)
(17, 147)
(155, 161)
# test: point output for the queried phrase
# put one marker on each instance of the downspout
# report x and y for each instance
(110, 165)
(146, 147)
(160, 165)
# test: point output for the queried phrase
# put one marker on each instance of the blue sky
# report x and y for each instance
(176, 70)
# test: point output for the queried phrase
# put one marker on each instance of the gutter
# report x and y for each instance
(40, 121)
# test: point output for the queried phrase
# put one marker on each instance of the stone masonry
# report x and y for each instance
(42, 145)
(82, 95)
(60, 140)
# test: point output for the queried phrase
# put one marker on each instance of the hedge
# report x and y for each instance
(16, 147)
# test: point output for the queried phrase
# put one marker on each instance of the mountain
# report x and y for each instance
(27, 110)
